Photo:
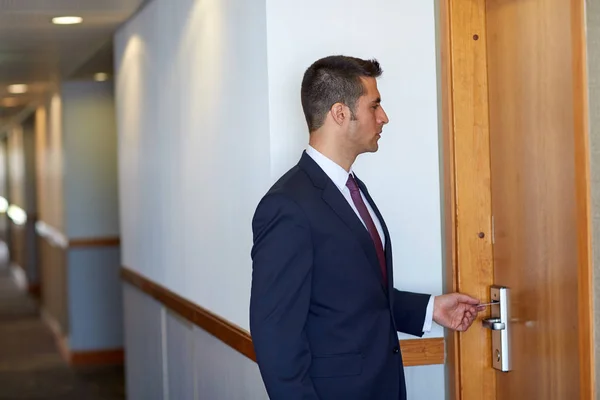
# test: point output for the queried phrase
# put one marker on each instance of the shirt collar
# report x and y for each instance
(336, 173)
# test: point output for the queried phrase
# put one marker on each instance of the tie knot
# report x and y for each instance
(351, 183)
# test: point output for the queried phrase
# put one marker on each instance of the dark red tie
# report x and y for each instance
(366, 217)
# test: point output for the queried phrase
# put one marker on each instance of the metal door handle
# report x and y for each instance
(494, 324)
(499, 324)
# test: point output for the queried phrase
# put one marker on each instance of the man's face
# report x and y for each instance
(365, 130)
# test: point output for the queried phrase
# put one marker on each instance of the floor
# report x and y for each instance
(30, 365)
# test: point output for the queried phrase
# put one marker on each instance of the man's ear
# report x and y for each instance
(339, 113)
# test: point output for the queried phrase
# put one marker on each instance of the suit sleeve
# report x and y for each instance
(282, 258)
(409, 311)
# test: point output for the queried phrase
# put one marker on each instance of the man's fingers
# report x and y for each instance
(468, 320)
(463, 298)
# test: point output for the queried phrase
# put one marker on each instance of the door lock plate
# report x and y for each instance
(499, 324)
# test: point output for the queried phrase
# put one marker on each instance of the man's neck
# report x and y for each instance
(334, 152)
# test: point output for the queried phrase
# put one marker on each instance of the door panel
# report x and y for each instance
(534, 196)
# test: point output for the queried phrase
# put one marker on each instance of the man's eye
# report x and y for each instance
(375, 107)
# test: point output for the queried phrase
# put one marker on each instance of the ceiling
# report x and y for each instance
(36, 52)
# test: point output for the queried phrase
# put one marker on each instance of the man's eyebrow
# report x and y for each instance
(377, 100)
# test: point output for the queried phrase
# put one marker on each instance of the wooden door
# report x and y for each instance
(535, 179)
(532, 112)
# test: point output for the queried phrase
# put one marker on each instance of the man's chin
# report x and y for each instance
(373, 148)
(375, 145)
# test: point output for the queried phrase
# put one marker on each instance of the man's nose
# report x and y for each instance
(384, 118)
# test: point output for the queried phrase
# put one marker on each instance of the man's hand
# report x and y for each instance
(455, 311)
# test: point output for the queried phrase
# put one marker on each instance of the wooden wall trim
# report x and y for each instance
(95, 242)
(81, 358)
(417, 352)
(228, 333)
(414, 352)
(58, 239)
(98, 357)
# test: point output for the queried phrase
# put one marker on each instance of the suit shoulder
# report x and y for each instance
(293, 184)
(290, 192)
(282, 201)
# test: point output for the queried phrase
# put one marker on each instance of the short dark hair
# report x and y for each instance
(334, 79)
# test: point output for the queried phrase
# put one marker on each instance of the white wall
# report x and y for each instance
(403, 176)
(95, 299)
(192, 114)
(76, 149)
(90, 159)
(198, 146)
(209, 116)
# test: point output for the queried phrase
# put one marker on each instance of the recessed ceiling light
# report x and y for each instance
(101, 77)
(67, 20)
(17, 89)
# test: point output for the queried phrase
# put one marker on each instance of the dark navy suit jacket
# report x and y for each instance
(322, 322)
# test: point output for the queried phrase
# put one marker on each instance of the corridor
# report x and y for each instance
(30, 365)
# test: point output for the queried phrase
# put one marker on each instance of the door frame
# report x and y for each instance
(467, 192)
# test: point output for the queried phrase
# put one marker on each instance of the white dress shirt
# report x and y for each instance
(339, 176)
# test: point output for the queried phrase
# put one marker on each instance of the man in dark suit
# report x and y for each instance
(323, 311)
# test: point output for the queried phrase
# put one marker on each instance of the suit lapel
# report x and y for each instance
(388, 242)
(337, 202)
(334, 198)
